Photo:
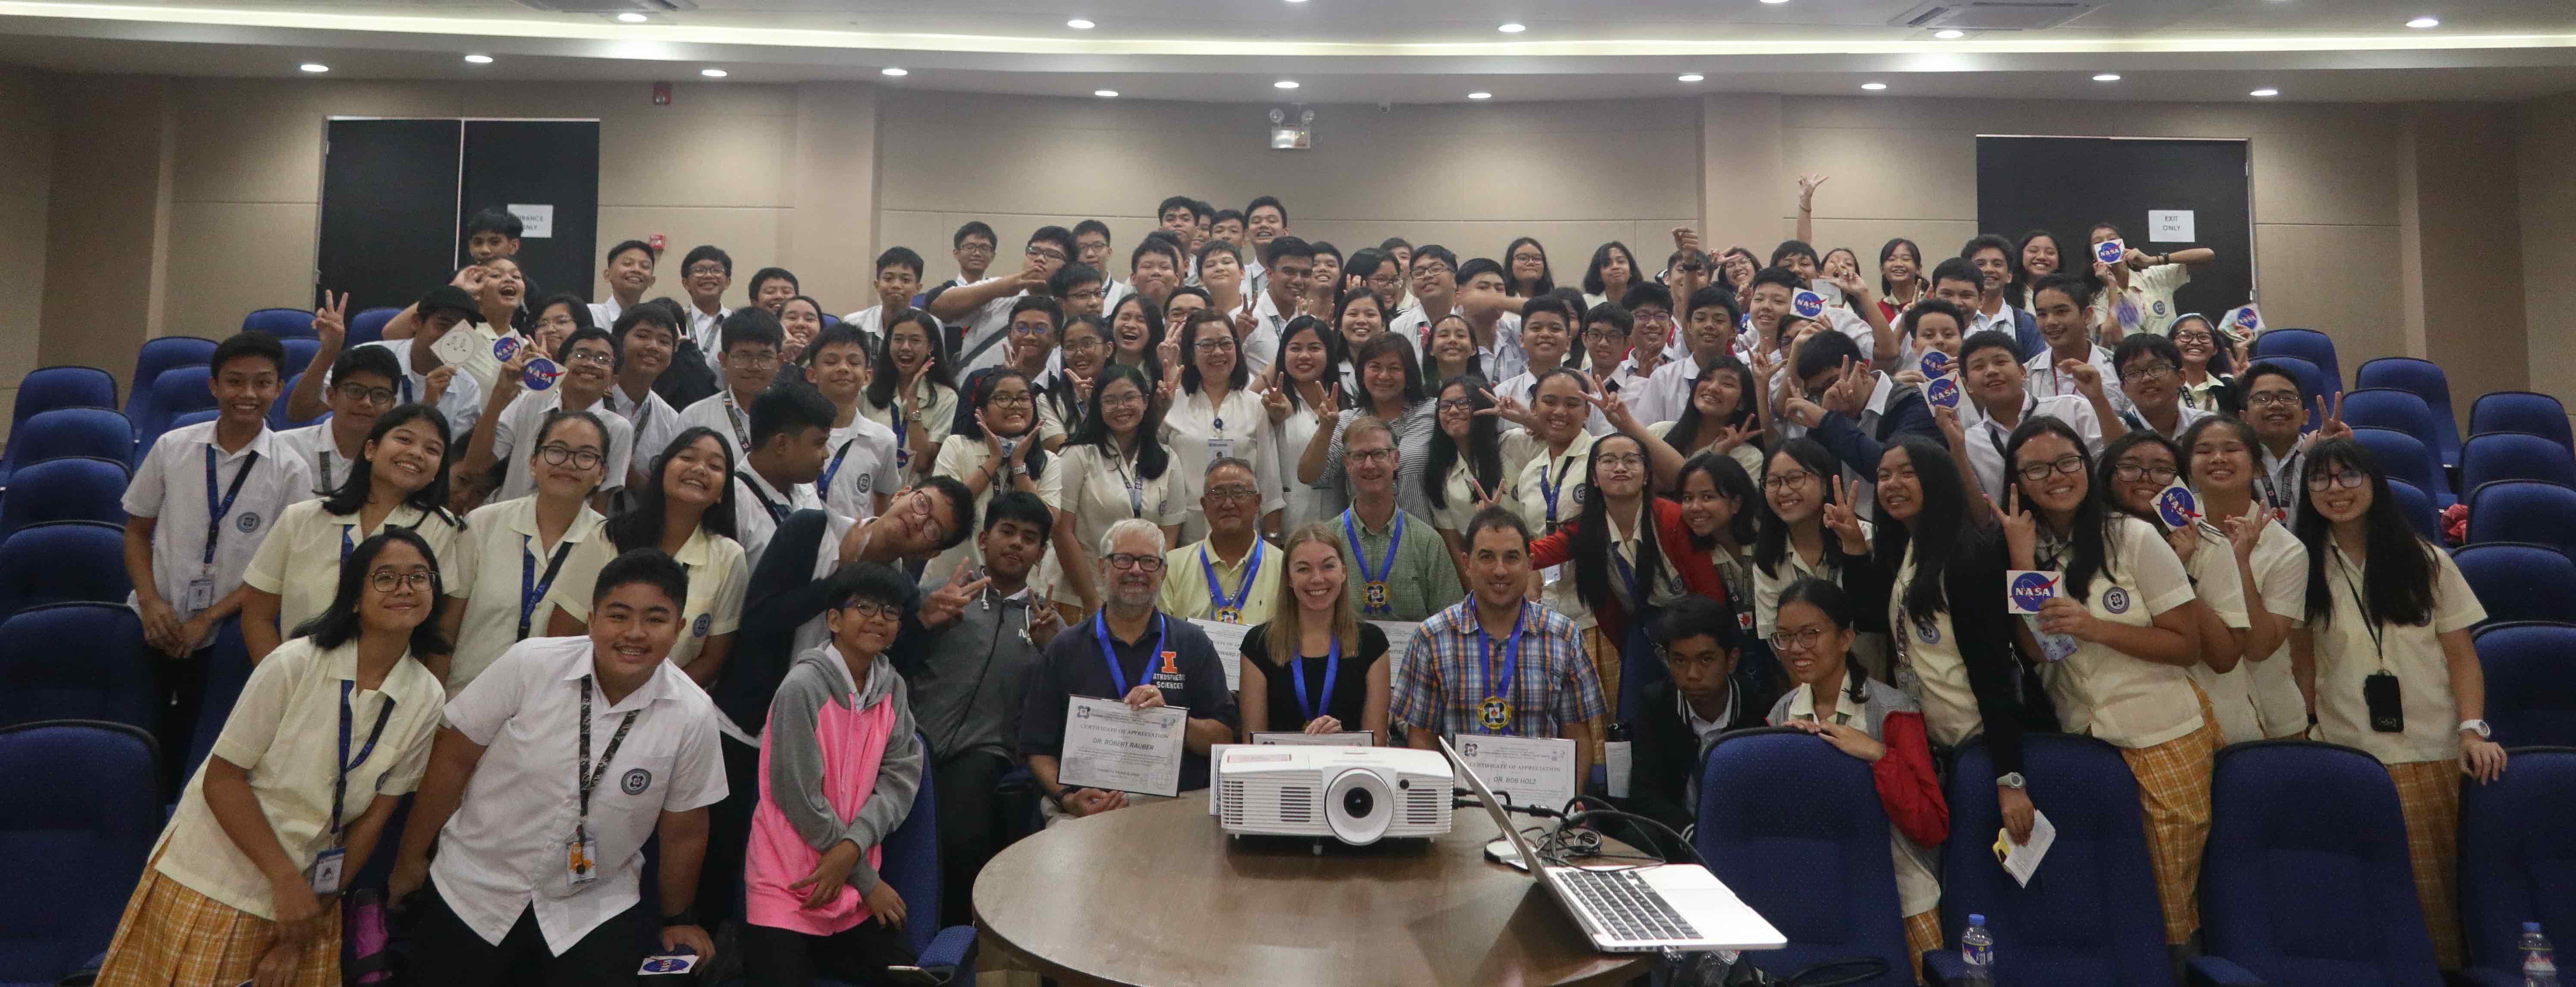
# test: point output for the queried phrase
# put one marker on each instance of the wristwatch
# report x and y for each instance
(913, 416)
(2012, 780)
(2479, 727)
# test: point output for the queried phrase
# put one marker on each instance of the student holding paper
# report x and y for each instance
(1499, 663)
(1336, 679)
(2136, 473)
(2128, 682)
(1873, 721)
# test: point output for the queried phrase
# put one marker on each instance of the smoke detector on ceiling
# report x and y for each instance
(605, 7)
(1989, 15)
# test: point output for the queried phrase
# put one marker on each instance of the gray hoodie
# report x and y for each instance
(820, 679)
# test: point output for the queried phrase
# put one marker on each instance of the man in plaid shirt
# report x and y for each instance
(1498, 663)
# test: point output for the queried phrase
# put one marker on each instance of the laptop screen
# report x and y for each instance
(1493, 807)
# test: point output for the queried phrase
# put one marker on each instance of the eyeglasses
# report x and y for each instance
(1123, 399)
(2347, 479)
(593, 357)
(2036, 472)
(1691, 268)
(1606, 335)
(1458, 404)
(1148, 564)
(1386, 280)
(1218, 343)
(1783, 481)
(1370, 455)
(2193, 337)
(872, 610)
(1022, 399)
(706, 271)
(384, 580)
(1084, 345)
(2273, 399)
(976, 248)
(1046, 254)
(1033, 328)
(2130, 472)
(1800, 640)
(1622, 460)
(752, 361)
(2153, 371)
(1431, 270)
(363, 394)
(558, 454)
(1232, 495)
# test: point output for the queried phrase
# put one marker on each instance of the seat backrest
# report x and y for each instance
(369, 326)
(156, 356)
(2305, 880)
(912, 864)
(80, 489)
(2405, 458)
(2306, 344)
(176, 392)
(284, 323)
(2390, 408)
(1795, 829)
(2530, 670)
(98, 432)
(2518, 855)
(2492, 456)
(107, 677)
(299, 352)
(2090, 916)
(2523, 510)
(62, 561)
(2516, 581)
(2424, 379)
(2520, 411)
(83, 809)
(2417, 507)
(48, 388)
(277, 418)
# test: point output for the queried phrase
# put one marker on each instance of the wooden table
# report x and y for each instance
(1157, 894)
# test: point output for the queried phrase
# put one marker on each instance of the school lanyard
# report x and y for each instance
(1135, 484)
(216, 512)
(833, 468)
(777, 512)
(1332, 671)
(2272, 495)
(733, 417)
(587, 776)
(1359, 554)
(1549, 490)
(2361, 602)
(340, 782)
(1510, 679)
(532, 588)
(902, 449)
(1243, 591)
(1117, 675)
(1628, 573)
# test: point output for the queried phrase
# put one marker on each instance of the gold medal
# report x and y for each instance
(1496, 715)
(1376, 594)
(1229, 615)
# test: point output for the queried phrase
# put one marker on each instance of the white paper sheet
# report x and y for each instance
(1228, 639)
(1109, 746)
(2021, 860)
(1533, 772)
(1399, 636)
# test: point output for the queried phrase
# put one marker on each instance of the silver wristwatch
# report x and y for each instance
(2479, 727)
(2012, 780)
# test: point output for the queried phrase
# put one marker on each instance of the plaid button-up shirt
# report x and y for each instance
(1442, 686)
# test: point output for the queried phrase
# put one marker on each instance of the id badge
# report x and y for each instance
(1220, 449)
(1552, 573)
(325, 872)
(2387, 709)
(581, 859)
(201, 594)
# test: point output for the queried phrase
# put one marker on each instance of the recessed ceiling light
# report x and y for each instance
(1284, 84)
(2264, 92)
(2422, 22)
(893, 71)
(1873, 86)
(714, 73)
(1480, 95)
(314, 67)
(1105, 93)
(1775, 1)
(1692, 77)
(479, 59)
(2107, 77)
(1513, 28)
(632, 17)
(1952, 34)
(1079, 24)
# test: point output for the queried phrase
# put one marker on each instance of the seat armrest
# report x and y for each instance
(2218, 971)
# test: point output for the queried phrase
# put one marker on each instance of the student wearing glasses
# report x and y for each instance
(1474, 462)
(1631, 556)
(2277, 407)
(1391, 391)
(996, 448)
(2135, 472)
(1998, 404)
(1117, 462)
(687, 514)
(1213, 414)
(2151, 377)
(1031, 350)
(401, 481)
(750, 361)
(1791, 540)
(984, 307)
(589, 361)
(2208, 369)
(1082, 350)
(362, 387)
(2387, 657)
(514, 550)
(2127, 637)
(1315, 666)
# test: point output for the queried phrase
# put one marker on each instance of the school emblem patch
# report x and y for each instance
(2116, 600)
(704, 623)
(636, 781)
(249, 522)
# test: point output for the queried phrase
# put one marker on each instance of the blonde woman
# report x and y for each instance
(1330, 675)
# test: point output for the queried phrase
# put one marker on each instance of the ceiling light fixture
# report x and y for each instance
(2264, 92)
(2424, 22)
(631, 17)
(314, 67)
(479, 59)
(1514, 27)
(1775, 1)
(2107, 77)
(1873, 86)
(1692, 77)
(1284, 84)
(1480, 95)
(893, 71)
(1951, 34)
(1105, 93)
(714, 73)
(1079, 24)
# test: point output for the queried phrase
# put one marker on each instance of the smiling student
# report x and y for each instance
(749, 362)
(628, 273)
(362, 388)
(1330, 674)
(687, 514)
(403, 484)
(425, 377)
(589, 362)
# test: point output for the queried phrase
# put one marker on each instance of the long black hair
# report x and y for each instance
(430, 499)
(1592, 282)
(883, 375)
(1685, 431)
(1484, 445)
(2095, 512)
(1329, 374)
(1591, 543)
(574, 305)
(1546, 271)
(1151, 457)
(1828, 596)
(1771, 536)
(1153, 315)
(1942, 532)
(1431, 331)
(979, 397)
(338, 623)
(640, 525)
(1061, 395)
(1887, 250)
(2397, 578)
(2222, 360)
(2018, 287)
(1238, 379)
(1730, 480)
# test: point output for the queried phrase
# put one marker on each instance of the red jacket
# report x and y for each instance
(1672, 539)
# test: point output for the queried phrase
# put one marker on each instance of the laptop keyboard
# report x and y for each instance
(1623, 903)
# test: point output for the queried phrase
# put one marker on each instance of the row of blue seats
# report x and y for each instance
(2305, 879)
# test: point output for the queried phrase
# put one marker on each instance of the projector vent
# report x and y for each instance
(1297, 804)
(1992, 15)
(1422, 806)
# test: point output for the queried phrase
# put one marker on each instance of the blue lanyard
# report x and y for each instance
(1511, 654)
(1243, 591)
(340, 783)
(1394, 540)
(1332, 671)
(406, 388)
(216, 512)
(531, 588)
(902, 449)
(345, 546)
(1548, 490)
(833, 468)
(1117, 675)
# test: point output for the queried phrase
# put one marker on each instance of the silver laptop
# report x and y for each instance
(1632, 909)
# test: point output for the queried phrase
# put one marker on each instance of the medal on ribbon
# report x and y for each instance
(1496, 714)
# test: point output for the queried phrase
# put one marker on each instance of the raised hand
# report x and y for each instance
(992, 442)
(1807, 186)
(1506, 409)
(1952, 430)
(1614, 409)
(1170, 350)
(1044, 621)
(2330, 420)
(1275, 401)
(1730, 436)
(945, 603)
(1846, 394)
(1484, 498)
(331, 321)
(2088, 378)
(471, 278)
(1842, 517)
(2137, 259)
(1244, 321)
(2243, 533)
(2021, 530)
(1854, 287)
(435, 384)
(1685, 238)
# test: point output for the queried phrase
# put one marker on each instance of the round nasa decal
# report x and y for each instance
(705, 622)
(636, 781)
(249, 522)
(2116, 601)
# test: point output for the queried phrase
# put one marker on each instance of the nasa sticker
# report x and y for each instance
(2110, 251)
(675, 963)
(504, 348)
(636, 781)
(704, 622)
(2249, 318)
(540, 374)
(249, 522)
(1942, 392)
(2177, 506)
(1806, 304)
(2026, 589)
(1934, 363)
(2116, 600)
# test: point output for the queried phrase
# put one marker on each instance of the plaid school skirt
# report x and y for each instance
(2173, 789)
(172, 936)
(2428, 795)
(1922, 935)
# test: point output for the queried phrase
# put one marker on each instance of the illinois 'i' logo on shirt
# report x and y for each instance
(1168, 674)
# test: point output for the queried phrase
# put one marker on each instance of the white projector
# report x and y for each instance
(1358, 795)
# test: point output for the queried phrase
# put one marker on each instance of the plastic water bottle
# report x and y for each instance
(2539, 969)
(1977, 950)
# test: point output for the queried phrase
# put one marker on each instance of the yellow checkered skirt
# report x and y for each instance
(2428, 794)
(1922, 935)
(172, 936)
(2173, 790)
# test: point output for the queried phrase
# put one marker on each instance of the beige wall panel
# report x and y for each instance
(26, 157)
(1877, 173)
(251, 140)
(2546, 142)
(708, 160)
(2335, 279)
(106, 220)
(1740, 153)
(228, 258)
(1940, 239)
(2471, 246)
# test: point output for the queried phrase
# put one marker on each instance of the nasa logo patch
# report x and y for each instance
(1806, 304)
(1942, 392)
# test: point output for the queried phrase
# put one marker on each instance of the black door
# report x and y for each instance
(2067, 184)
(388, 209)
(551, 164)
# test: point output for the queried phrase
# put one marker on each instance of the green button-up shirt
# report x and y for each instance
(1422, 582)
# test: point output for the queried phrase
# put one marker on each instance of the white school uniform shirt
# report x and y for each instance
(1767, 587)
(2004, 320)
(759, 506)
(500, 555)
(2280, 567)
(718, 581)
(1564, 474)
(2126, 701)
(1261, 346)
(462, 403)
(1988, 439)
(961, 457)
(1100, 489)
(503, 852)
(2213, 572)
(1113, 291)
(1630, 385)
(1190, 428)
(2043, 380)
(1523, 387)
(708, 332)
(514, 435)
(728, 417)
(1306, 502)
(604, 314)
(1458, 491)
(652, 420)
(284, 732)
(1664, 393)
(300, 559)
(938, 415)
(2347, 656)
(320, 453)
(859, 467)
(2278, 482)
(985, 325)
(1502, 358)
(2184, 417)
(171, 489)
(2148, 303)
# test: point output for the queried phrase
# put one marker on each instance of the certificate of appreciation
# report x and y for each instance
(1109, 746)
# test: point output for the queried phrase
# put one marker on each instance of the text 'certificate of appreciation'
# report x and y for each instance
(1109, 746)
(1533, 772)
